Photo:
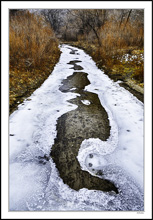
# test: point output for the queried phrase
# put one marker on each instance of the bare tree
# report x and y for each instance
(89, 20)
(14, 12)
(54, 17)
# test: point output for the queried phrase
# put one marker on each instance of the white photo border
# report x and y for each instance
(147, 6)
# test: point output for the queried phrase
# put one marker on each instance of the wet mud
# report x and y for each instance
(88, 120)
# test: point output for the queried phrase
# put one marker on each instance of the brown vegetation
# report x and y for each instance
(108, 35)
(33, 52)
(116, 41)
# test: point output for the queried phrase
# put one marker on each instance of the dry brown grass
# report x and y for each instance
(115, 37)
(31, 41)
(117, 40)
(33, 52)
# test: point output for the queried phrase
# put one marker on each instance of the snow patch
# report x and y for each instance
(72, 89)
(86, 102)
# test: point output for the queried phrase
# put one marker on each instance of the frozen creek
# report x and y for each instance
(79, 108)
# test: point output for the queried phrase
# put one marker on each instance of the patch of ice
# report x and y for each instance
(72, 89)
(86, 102)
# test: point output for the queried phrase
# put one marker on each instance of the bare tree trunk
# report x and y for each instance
(96, 33)
(121, 20)
(97, 36)
(128, 18)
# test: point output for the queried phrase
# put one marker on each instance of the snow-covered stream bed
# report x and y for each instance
(34, 182)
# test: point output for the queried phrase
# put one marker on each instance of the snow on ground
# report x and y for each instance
(34, 180)
(85, 102)
(128, 58)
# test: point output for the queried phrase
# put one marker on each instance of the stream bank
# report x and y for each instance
(23, 82)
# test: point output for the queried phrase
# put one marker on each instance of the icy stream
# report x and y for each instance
(34, 180)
